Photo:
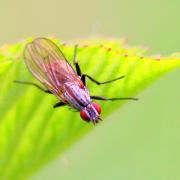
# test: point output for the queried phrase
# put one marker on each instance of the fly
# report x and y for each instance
(48, 64)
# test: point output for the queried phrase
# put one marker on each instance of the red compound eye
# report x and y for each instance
(97, 107)
(84, 115)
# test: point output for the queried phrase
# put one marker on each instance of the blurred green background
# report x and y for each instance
(141, 141)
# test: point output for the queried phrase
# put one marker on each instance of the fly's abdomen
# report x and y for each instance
(76, 96)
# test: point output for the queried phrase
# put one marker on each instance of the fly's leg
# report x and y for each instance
(33, 84)
(83, 78)
(112, 99)
(78, 69)
(59, 104)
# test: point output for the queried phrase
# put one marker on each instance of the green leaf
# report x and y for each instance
(32, 132)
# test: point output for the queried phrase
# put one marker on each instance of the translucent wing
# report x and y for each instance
(48, 64)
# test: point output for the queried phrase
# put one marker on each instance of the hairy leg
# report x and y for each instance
(59, 104)
(33, 84)
(83, 78)
(112, 99)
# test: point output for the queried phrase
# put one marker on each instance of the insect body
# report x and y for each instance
(48, 64)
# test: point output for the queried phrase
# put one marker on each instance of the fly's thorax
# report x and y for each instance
(77, 96)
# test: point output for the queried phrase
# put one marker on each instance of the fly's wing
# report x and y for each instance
(48, 64)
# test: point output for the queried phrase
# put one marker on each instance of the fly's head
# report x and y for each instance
(91, 113)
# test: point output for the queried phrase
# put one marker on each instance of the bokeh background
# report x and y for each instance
(140, 141)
